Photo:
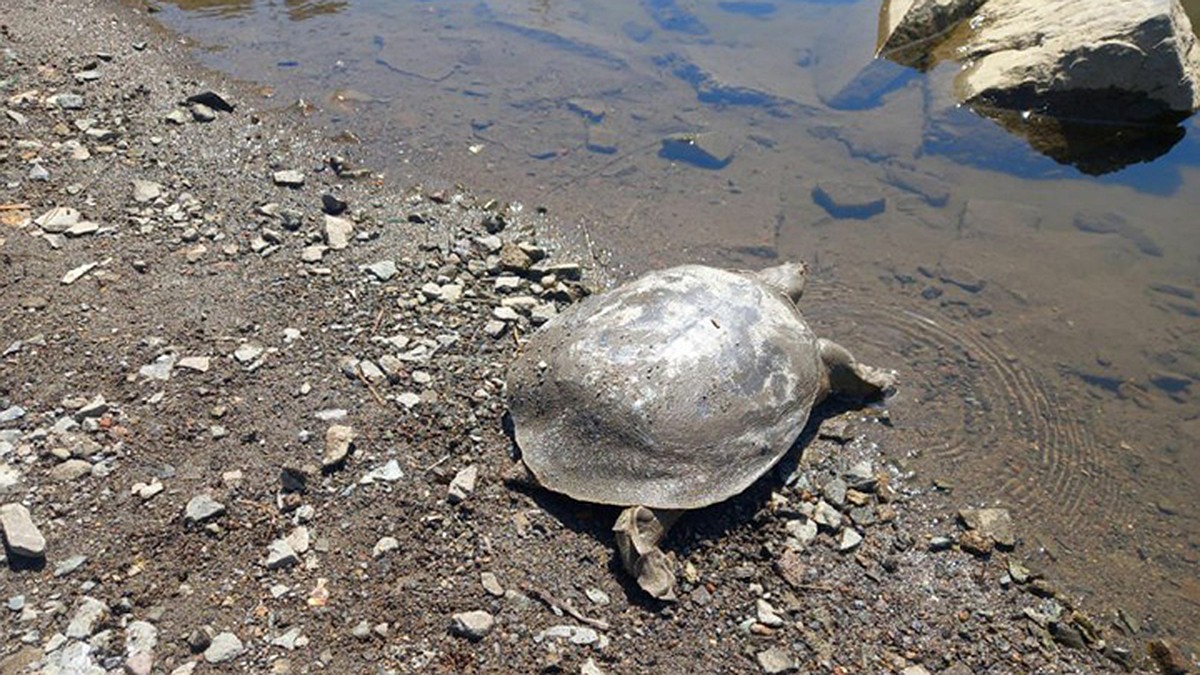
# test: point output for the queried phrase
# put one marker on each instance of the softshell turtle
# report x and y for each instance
(672, 392)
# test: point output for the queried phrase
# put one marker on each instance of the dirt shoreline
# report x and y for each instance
(220, 324)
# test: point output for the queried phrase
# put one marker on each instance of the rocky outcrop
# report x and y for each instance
(906, 27)
(1132, 61)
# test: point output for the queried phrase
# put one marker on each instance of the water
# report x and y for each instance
(1048, 347)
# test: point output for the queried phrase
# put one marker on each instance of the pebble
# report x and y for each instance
(408, 399)
(835, 492)
(383, 270)
(69, 565)
(289, 178)
(72, 469)
(160, 369)
(203, 507)
(313, 254)
(139, 663)
(12, 414)
(994, 524)
(506, 314)
(66, 101)
(491, 584)
(146, 191)
(224, 647)
(77, 273)
(850, 539)
(198, 364)
(338, 232)
(766, 614)
(176, 116)
(248, 352)
(473, 625)
(332, 205)
(280, 554)
(387, 473)
(22, 536)
(291, 640)
(86, 618)
(463, 484)
(384, 545)
(140, 636)
(915, 670)
(39, 173)
(338, 441)
(578, 635)
(203, 113)
(597, 596)
(827, 516)
(777, 660)
(589, 667)
(803, 530)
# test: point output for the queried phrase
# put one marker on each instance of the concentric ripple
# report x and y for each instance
(1005, 426)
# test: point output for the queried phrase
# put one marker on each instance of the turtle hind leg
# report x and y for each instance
(850, 379)
(638, 531)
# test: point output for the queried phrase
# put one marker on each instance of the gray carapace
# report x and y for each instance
(672, 392)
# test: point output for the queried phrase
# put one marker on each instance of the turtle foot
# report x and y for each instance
(850, 379)
(638, 531)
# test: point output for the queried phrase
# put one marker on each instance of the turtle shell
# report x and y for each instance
(674, 391)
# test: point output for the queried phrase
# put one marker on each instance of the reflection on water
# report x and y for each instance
(296, 10)
(1044, 317)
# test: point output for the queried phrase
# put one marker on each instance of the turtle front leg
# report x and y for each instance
(638, 530)
(848, 378)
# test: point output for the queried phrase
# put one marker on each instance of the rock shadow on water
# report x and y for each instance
(1093, 148)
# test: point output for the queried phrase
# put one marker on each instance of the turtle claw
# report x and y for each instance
(638, 531)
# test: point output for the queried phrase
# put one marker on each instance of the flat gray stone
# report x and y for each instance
(86, 619)
(69, 565)
(474, 625)
(22, 536)
(288, 178)
(203, 507)
(338, 441)
(463, 484)
(72, 469)
(159, 370)
(777, 660)
(224, 647)
(382, 270)
(338, 232)
(12, 414)
(146, 191)
(387, 473)
(58, 219)
(280, 554)
(996, 524)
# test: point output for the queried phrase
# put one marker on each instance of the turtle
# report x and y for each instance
(672, 392)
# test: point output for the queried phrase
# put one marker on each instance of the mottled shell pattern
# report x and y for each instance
(674, 391)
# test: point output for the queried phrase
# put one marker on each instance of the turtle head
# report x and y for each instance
(789, 278)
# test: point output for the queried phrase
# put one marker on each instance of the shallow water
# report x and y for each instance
(1048, 350)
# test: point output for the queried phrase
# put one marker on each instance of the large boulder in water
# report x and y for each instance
(1131, 61)
(1126, 61)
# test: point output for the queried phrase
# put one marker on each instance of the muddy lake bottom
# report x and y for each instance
(1047, 350)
